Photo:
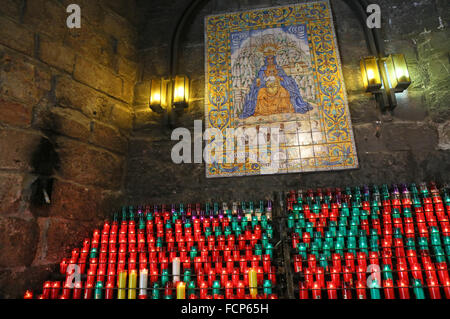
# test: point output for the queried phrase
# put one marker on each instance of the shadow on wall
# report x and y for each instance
(45, 161)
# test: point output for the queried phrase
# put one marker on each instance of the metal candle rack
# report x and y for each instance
(321, 244)
(157, 252)
(371, 244)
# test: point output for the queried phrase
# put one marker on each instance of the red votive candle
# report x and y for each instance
(203, 289)
(88, 291)
(388, 285)
(447, 289)
(66, 291)
(46, 292)
(55, 290)
(316, 292)
(273, 275)
(28, 295)
(109, 291)
(240, 290)
(63, 266)
(78, 287)
(403, 289)
(433, 288)
(331, 290)
(361, 289)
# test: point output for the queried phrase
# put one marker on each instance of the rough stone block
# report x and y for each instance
(433, 166)
(68, 122)
(10, 192)
(363, 107)
(197, 88)
(18, 239)
(444, 136)
(14, 282)
(75, 202)
(73, 94)
(11, 8)
(352, 78)
(90, 102)
(57, 55)
(438, 68)
(17, 148)
(58, 237)
(366, 139)
(128, 91)
(15, 114)
(109, 137)
(119, 27)
(88, 165)
(437, 103)
(127, 68)
(21, 79)
(155, 62)
(384, 167)
(142, 93)
(411, 106)
(15, 36)
(122, 117)
(47, 17)
(144, 117)
(93, 44)
(127, 49)
(409, 136)
(98, 77)
(124, 8)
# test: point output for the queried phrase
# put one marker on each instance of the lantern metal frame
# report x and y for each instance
(167, 93)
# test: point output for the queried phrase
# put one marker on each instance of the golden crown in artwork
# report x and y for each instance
(269, 48)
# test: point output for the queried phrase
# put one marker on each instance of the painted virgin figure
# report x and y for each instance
(273, 92)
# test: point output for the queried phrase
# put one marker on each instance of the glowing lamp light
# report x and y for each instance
(165, 92)
(181, 91)
(398, 72)
(370, 74)
(158, 94)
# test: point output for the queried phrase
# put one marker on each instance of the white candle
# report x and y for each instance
(176, 269)
(143, 280)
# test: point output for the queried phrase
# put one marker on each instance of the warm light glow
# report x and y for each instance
(28, 295)
(370, 74)
(398, 72)
(156, 97)
(179, 93)
(181, 89)
(158, 94)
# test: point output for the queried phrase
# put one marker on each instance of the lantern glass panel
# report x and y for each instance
(155, 92)
(181, 89)
(398, 72)
(370, 74)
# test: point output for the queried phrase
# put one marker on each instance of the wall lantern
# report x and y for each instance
(158, 94)
(370, 74)
(384, 77)
(165, 92)
(181, 92)
(398, 72)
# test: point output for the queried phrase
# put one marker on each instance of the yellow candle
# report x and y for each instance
(132, 282)
(181, 290)
(253, 282)
(121, 292)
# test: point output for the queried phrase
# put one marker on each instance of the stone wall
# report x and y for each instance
(414, 142)
(65, 123)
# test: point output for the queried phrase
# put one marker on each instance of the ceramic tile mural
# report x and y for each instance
(278, 68)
